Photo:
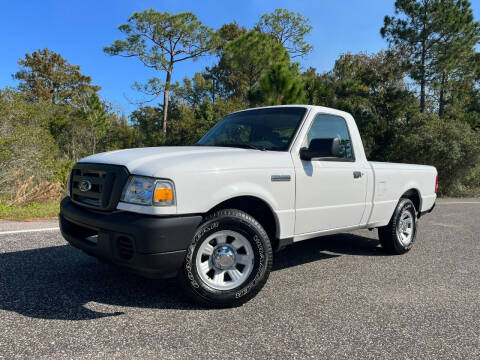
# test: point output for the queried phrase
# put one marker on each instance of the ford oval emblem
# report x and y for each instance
(85, 185)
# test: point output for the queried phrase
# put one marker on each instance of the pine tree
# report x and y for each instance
(160, 40)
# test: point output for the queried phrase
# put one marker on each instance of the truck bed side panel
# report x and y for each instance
(392, 181)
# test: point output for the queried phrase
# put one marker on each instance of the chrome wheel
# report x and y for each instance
(224, 260)
(405, 228)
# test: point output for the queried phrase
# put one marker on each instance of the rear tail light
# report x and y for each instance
(436, 184)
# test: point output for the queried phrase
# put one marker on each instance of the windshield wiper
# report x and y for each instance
(242, 145)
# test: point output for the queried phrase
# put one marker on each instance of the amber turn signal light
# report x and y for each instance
(162, 194)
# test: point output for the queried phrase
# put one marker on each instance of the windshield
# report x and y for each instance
(263, 129)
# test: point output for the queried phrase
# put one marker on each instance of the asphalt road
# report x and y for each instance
(332, 297)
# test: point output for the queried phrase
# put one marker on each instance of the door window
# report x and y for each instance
(326, 126)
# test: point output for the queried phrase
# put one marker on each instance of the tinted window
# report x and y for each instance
(270, 129)
(329, 127)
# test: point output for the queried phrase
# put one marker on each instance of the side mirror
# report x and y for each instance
(321, 149)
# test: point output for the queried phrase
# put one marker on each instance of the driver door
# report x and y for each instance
(330, 194)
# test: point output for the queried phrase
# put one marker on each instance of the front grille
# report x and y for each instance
(98, 186)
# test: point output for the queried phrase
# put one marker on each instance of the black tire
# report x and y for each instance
(388, 235)
(244, 224)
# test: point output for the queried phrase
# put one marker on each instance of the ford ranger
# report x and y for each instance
(260, 179)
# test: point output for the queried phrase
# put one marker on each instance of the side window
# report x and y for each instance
(327, 126)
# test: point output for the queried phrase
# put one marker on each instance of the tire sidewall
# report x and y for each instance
(405, 205)
(261, 266)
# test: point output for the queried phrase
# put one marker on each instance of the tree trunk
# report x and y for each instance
(94, 141)
(165, 100)
(441, 100)
(214, 91)
(423, 80)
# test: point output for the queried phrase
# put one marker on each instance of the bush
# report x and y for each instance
(27, 150)
(449, 145)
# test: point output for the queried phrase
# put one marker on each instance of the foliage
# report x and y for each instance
(413, 31)
(250, 55)
(148, 122)
(160, 40)
(195, 91)
(437, 39)
(48, 209)
(26, 146)
(80, 131)
(227, 33)
(120, 135)
(455, 65)
(452, 146)
(47, 76)
(222, 78)
(289, 29)
(279, 85)
(470, 186)
(56, 116)
(372, 89)
(40, 140)
(95, 117)
(31, 191)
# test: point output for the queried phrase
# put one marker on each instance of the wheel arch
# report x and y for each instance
(256, 207)
(414, 195)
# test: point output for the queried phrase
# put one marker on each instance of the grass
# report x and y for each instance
(31, 211)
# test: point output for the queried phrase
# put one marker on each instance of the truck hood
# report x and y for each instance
(167, 160)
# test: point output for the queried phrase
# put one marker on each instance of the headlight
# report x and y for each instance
(144, 190)
(69, 179)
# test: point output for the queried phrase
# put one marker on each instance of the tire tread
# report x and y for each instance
(387, 234)
(251, 221)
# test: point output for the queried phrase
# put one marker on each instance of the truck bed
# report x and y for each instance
(392, 180)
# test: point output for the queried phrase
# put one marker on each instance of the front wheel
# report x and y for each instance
(228, 260)
(399, 235)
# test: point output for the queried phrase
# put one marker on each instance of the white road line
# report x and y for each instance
(28, 231)
(457, 202)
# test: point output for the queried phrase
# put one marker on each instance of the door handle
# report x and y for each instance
(357, 174)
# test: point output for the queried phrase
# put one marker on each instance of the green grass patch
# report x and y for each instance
(31, 211)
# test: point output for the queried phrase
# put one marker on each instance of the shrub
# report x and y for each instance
(450, 145)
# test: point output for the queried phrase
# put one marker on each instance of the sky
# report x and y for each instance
(78, 30)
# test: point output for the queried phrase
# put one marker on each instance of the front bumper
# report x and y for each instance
(152, 246)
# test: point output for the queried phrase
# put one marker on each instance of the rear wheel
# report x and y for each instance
(399, 235)
(228, 260)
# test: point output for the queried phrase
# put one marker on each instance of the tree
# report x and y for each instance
(160, 40)
(148, 120)
(372, 89)
(279, 85)
(227, 33)
(454, 52)
(186, 127)
(289, 29)
(26, 147)
(437, 38)
(195, 91)
(413, 31)
(120, 134)
(451, 146)
(316, 89)
(47, 76)
(96, 120)
(250, 55)
(221, 75)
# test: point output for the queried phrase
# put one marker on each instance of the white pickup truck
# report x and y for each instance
(211, 214)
